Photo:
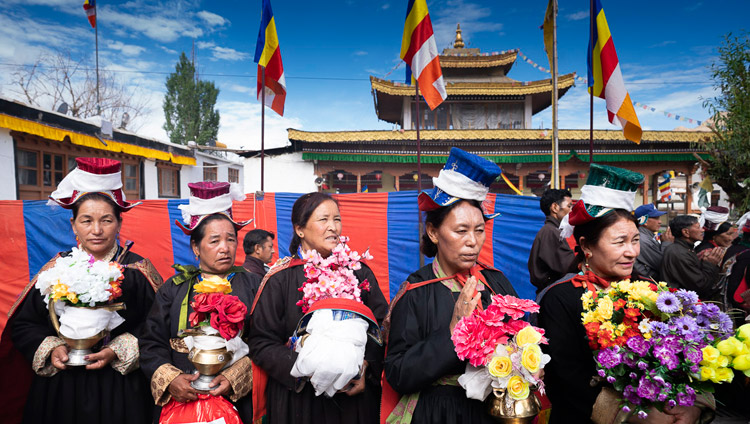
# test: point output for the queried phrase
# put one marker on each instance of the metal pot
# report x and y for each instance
(80, 348)
(503, 408)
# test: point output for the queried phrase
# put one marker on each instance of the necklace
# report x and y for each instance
(108, 257)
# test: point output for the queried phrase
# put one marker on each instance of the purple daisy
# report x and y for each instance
(711, 311)
(725, 323)
(687, 297)
(668, 303)
(659, 328)
(702, 322)
(685, 325)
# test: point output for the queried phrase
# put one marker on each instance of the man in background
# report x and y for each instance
(648, 263)
(551, 258)
(258, 247)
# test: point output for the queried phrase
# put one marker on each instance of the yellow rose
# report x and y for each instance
(590, 316)
(528, 335)
(707, 373)
(500, 366)
(710, 355)
(723, 361)
(741, 363)
(518, 388)
(531, 358)
(744, 350)
(729, 346)
(213, 284)
(723, 375)
(587, 300)
(604, 307)
(744, 332)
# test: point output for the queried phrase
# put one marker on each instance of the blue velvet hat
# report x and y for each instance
(464, 176)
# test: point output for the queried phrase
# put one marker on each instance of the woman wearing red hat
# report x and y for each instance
(164, 354)
(277, 314)
(421, 364)
(109, 389)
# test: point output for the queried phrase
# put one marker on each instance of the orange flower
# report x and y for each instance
(619, 304)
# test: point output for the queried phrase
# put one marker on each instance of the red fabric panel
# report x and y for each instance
(14, 267)
(486, 255)
(264, 217)
(421, 34)
(364, 218)
(149, 227)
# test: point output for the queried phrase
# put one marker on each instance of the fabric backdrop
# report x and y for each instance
(386, 223)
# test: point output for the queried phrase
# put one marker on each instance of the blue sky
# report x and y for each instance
(329, 49)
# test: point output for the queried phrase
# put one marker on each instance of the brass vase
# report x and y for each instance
(208, 362)
(80, 348)
(504, 409)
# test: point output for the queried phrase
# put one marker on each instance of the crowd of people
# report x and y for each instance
(410, 374)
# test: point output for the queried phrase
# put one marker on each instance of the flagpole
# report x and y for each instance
(96, 44)
(591, 88)
(555, 141)
(419, 163)
(262, 124)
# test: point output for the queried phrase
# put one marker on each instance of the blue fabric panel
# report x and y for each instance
(181, 250)
(403, 238)
(284, 203)
(48, 232)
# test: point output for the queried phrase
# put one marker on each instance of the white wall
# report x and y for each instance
(7, 166)
(192, 174)
(150, 180)
(283, 173)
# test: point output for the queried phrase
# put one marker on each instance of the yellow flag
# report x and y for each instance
(547, 28)
(707, 184)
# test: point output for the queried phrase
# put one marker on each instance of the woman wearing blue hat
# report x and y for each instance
(421, 364)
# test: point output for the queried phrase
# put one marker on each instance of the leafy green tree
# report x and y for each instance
(189, 106)
(729, 165)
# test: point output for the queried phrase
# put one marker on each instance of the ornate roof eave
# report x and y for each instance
(478, 88)
(501, 60)
(489, 135)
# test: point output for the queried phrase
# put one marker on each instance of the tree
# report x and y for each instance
(729, 165)
(189, 106)
(55, 79)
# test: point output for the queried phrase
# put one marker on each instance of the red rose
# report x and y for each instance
(228, 330)
(195, 318)
(231, 309)
(206, 302)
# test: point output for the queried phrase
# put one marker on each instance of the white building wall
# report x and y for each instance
(150, 180)
(283, 173)
(7, 166)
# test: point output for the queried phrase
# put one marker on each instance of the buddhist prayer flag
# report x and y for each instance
(547, 28)
(605, 78)
(268, 57)
(90, 7)
(665, 188)
(419, 51)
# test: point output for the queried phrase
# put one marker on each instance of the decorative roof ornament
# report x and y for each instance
(459, 42)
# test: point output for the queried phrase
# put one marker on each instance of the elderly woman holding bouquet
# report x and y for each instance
(101, 387)
(421, 363)
(291, 383)
(608, 244)
(212, 298)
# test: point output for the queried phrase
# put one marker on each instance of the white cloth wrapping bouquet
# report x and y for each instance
(333, 352)
(212, 340)
(81, 323)
(477, 381)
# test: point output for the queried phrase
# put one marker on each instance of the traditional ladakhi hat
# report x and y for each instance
(93, 175)
(607, 188)
(343, 305)
(208, 198)
(464, 177)
(713, 217)
(744, 222)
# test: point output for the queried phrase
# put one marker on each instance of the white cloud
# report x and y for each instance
(165, 26)
(205, 44)
(225, 53)
(360, 53)
(126, 49)
(240, 126)
(168, 50)
(385, 6)
(241, 89)
(212, 19)
(577, 16)
(663, 43)
(472, 17)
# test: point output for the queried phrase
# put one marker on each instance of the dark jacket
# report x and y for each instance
(648, 263)
(550, 258)
(255, 265)
(681, 268)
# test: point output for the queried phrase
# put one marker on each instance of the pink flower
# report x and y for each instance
(513, 306)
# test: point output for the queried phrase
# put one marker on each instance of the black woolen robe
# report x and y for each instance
(78, 395)
(420, 349)
(274, 320)
(162, 325)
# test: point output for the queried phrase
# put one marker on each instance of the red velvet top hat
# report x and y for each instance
(713, 217)
(208, 198)
(346, 308)
(93, 175)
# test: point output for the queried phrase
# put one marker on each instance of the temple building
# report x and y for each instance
(486, 113)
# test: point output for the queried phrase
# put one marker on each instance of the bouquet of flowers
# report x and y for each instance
(332, 277)
(733, 352)
(502, 349)
(650, 342)
(78, 283)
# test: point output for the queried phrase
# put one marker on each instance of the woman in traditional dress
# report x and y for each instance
(608, 243)
(107, 390)
(317, 225)
(213, 240)
(421, 364)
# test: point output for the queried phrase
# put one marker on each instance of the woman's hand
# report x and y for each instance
(356, 386)
(223, 384)
(100, 359)
(685, 414)
(59, 356)
(181, 390)
(467, 301)
(667, 236)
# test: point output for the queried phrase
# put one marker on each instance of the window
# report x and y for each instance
(209, 171)
(234, 175)
(27, 166)
(130, 177)
(169, 181)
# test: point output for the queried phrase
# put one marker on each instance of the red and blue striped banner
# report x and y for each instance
(385, 223)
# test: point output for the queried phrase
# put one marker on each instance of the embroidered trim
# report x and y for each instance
(149, 271)
(125, 346)
(177, 344)
(160, 381)
(41, 363)
(240, 378)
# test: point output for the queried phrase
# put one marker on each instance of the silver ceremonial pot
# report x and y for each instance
(79, 348)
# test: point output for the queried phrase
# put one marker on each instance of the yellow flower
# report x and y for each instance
(707, 373)
(729, 346)
(744, 332)
(500, 366)
(590, 316)
(72, 297)
(214, 284)
(723, 361)
(531, 358)
(608, 326)
(59, 291)
(741, 363)
(723, 375)
(528, 335)
(605, 307)
(710, 355)
(587, 299)
(518, 388)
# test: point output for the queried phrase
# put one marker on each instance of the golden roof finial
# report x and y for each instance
(459, 43)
